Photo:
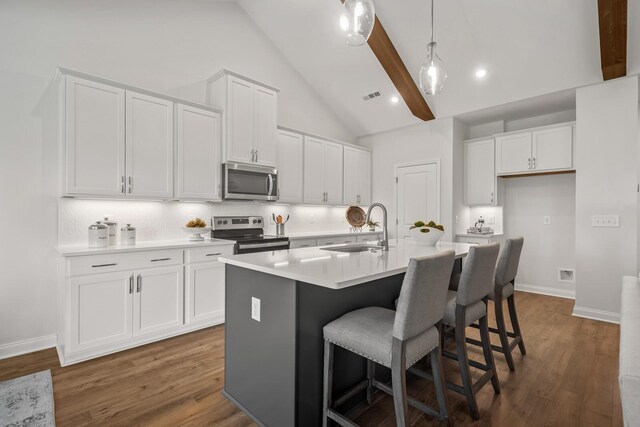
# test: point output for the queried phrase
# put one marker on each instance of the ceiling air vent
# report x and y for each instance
(371, 96)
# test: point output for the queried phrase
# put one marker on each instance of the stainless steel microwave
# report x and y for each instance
(249, 182)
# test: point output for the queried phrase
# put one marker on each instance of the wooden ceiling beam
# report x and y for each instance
(612, 20)
(385, 51)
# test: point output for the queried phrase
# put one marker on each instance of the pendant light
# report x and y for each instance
(356, 21)
(432, 73)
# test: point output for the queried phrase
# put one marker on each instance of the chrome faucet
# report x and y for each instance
(385, 233)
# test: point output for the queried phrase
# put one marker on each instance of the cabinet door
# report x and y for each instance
(266, 125)
(290, 161)
(553, 149)
(314, 171)
(350, 174)
(240, 127)
(364, 177)
(101, 310)
(149, 146)
(479, 172)
(94, 138)
(333, 173)
(198, 148)
(513, 153)
(158, 299)
(205, 292)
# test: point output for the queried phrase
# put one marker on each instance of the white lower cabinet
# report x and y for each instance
(111, 302)
(205, 292)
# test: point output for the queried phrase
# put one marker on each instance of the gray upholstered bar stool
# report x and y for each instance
(469, 305)
(504, 289)
(395, 339)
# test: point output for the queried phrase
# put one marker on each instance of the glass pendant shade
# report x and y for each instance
(432, 73)
(356, 21)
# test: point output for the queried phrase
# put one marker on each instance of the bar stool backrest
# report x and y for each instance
(508, 261)
(476, 279)
(423, 295)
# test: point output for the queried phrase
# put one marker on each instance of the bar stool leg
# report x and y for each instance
(440, 383)
(371, 373)
(502, 329)
(514, 322)
(488, 353)
(463, 361)
(399, 382)
(327, 382)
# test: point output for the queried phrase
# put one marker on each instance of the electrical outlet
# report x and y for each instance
(457, 219)
(546, 220)
(492, 220)
(255, 309)
(605, 221)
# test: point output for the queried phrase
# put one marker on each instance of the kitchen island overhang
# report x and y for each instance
(273, 366)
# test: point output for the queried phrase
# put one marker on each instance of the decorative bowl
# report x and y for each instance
(196, 232)
(426, 239)
(355, 216)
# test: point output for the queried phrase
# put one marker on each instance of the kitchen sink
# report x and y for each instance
(353, 248)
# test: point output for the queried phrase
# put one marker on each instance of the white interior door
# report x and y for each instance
(553, 148)
(290, 160)
(418, 193)
(94, 132)
(198, 138)
(149, 141)
(158, 299)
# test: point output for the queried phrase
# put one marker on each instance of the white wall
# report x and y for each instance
(606, 183)
(163, 220)
(170, 46)
(546, 247)
(426, 141)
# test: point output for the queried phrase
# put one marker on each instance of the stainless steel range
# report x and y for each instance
(248, 233)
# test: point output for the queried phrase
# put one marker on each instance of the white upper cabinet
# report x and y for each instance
(322, 171)
(357, 176)
(250, 133)
(552, 148)
(479, 172)
(290, 162)
(94, 132)
(513, 153)
(198, 173)
(149, 142)
(537, 150)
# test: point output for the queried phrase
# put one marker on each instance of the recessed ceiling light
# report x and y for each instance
(481, 73)
(395, 99)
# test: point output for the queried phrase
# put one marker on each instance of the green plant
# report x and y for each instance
(373, 224)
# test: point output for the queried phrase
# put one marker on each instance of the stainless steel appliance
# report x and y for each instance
(248, 233)
(249, 182)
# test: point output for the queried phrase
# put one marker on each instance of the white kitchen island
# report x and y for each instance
(276, 304)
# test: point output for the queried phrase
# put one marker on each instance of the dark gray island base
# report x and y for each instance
(273, 368)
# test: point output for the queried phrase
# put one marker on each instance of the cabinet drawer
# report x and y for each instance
(209, 253)
(369, 238)
(91, 264)
(303, 243)
(338, 240)
(475, 240)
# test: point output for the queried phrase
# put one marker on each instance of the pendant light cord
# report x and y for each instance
(431, 20)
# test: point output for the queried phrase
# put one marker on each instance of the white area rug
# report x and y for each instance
(27, 401)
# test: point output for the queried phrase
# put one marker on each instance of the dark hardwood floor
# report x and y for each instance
(567, 378)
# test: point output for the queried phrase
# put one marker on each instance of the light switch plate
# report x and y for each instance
(546, 220)
(605, 221)
(255, 309)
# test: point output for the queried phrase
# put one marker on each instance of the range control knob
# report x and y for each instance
(224, 222)
(219, 222)
(259, 221)
(255, 221)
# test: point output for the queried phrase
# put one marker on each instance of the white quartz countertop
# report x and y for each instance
(478, 235)
(337, 270)
(78, 250)
(316, 234)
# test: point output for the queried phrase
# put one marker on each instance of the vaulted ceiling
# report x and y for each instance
(530, 48)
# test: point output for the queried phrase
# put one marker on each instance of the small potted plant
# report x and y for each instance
(373, 225)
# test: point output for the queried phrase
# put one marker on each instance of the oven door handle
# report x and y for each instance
(269, 185)
(262, 245)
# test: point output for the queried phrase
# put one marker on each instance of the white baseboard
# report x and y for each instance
(591, 313)
(544, 290)
(27, 346)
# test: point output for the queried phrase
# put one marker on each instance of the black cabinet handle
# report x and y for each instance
(160, 259)
(218, 253)
(104, 265)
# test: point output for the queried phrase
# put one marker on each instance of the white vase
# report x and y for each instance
(427, 239)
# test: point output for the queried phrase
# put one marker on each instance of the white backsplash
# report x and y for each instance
(163, 220)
